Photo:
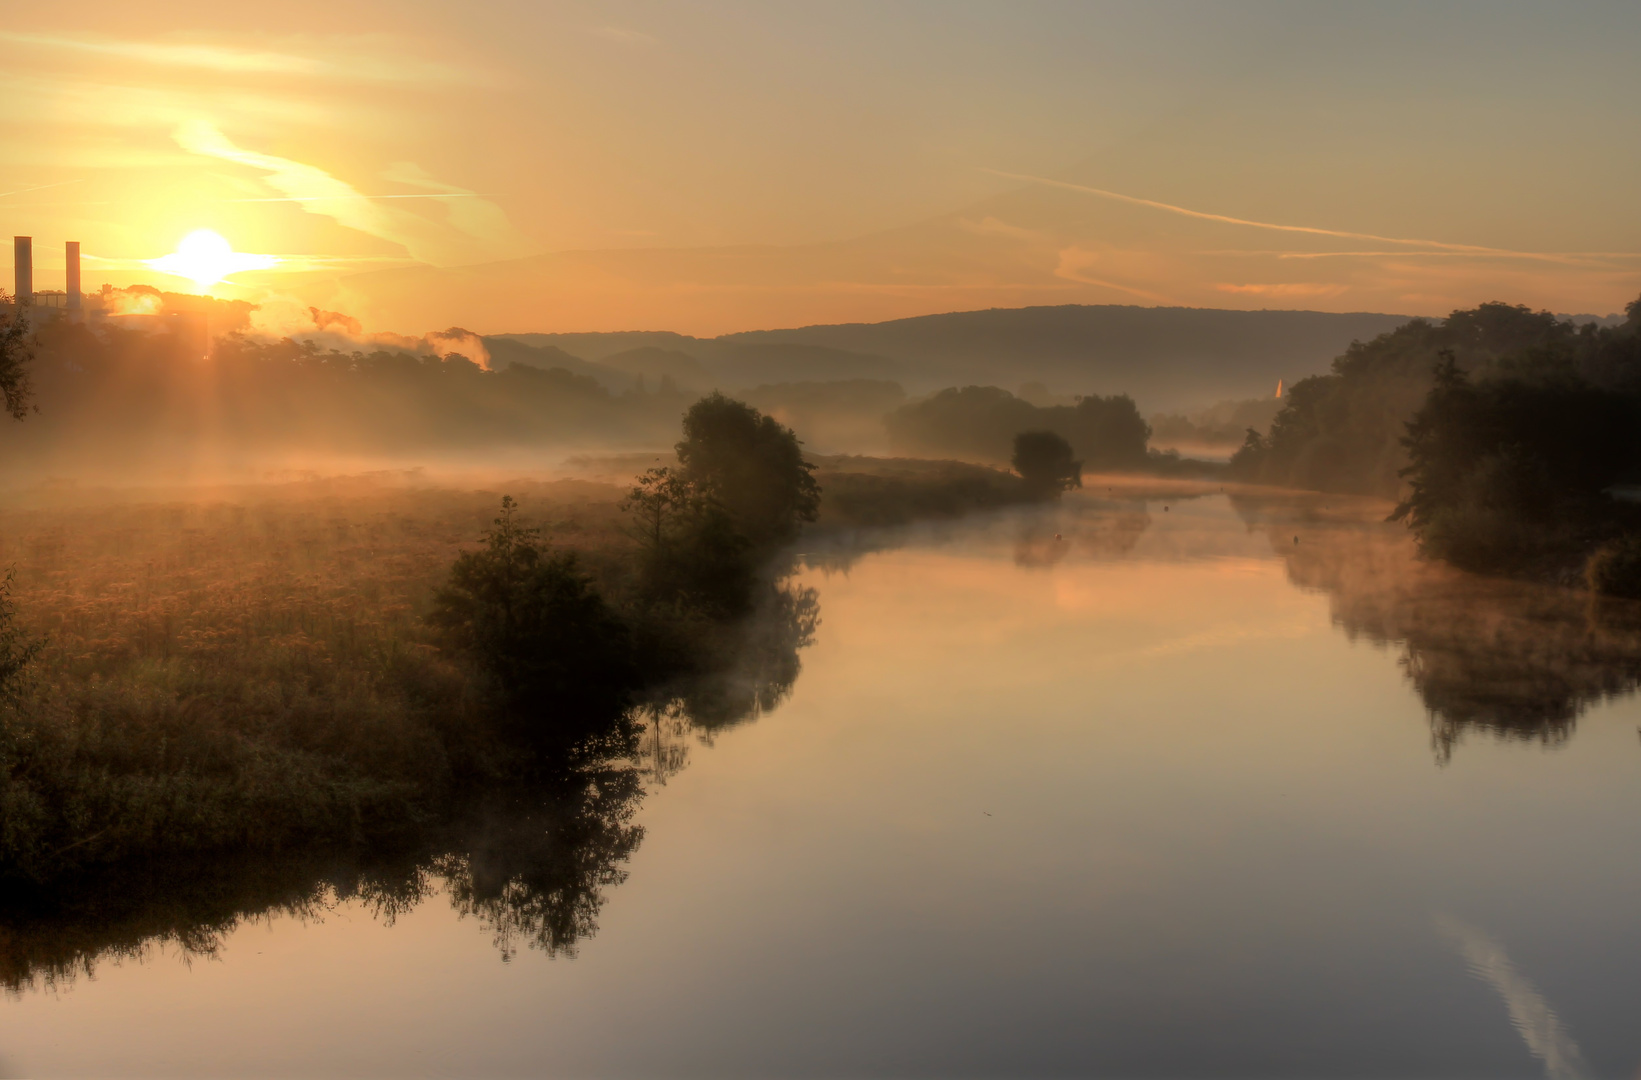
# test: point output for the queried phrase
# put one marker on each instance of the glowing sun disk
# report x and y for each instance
(205, 258)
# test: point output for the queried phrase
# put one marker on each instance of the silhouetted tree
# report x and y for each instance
(1108, 432)
(1615, 568)
(15, 355)
(532, 622)
(658, 499)
(1343, 431)
(1248, 463)
(1043, 460)
(752, 467)
(979, 423)
(1509, 468)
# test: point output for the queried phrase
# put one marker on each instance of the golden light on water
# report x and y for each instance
(205, 257)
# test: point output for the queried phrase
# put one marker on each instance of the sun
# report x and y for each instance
(205, 258)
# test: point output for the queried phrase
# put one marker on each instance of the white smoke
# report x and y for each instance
(277, 317)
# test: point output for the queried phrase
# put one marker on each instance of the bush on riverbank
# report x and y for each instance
(1614, 569)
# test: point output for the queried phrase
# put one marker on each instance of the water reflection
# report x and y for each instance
(533, 865)
(1101, 528)
(1511, 659)
(535, 869)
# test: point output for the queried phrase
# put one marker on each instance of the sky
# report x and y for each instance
(712, 167)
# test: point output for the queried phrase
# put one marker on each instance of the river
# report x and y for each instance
(1155, 783)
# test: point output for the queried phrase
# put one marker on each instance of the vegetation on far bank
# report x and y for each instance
(1503, 434)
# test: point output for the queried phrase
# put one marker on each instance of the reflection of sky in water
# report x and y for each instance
(1134, 807)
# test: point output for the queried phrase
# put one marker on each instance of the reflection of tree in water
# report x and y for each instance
(1514, 659)
(533, 864)
(1095, 528)
(761, 668)
(129, 913)
(535, 867)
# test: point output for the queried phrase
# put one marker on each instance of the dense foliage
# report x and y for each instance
(979, 423)
(1343, 431)
(1513, 468)
(1502, 431)
(16, 352)
(548, 645)
(133, 399)
(751, 466)
(1043, 460)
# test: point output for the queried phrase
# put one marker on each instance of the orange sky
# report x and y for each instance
(713, 167)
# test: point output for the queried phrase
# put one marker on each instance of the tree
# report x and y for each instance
(692, 548)
(1248, 463)
(1043, 460)
(1505, 469)
(1109, 432)
(531, 621)
(752, 467)
(15, 356)
(657, 500)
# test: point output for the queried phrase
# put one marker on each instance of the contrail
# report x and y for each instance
(39, 187)
(1553, 256)
(327, 198)
(1225, 219)
(1532, 1017)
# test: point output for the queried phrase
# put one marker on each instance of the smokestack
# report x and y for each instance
(22, 260)
(72, 262)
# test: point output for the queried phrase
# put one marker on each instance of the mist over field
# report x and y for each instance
(164, 387)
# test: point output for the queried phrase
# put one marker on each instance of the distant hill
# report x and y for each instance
(700, 363)
(505, 351)
(1166, 357)
(655, 364)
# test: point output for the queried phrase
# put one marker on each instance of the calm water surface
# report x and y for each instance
(1231, 788)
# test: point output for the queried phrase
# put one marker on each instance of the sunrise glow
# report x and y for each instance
(206, 258)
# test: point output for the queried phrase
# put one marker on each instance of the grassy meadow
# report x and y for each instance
(253, 668)
(245, 667)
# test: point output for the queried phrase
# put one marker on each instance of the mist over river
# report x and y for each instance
(1156, 782)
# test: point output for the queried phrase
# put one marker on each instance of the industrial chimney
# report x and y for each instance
(72, 263)
(22, 253)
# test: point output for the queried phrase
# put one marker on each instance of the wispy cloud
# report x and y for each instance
(367, 61)
(316, 190)
(474, 229)
(1566, 258)
(1530, 1014)
(38, 187)
(1225, 219)
(467, 211)
(1285, 289)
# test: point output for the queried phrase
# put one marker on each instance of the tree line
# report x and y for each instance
(1505, 435)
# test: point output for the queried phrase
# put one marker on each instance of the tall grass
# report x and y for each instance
(248, 671)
